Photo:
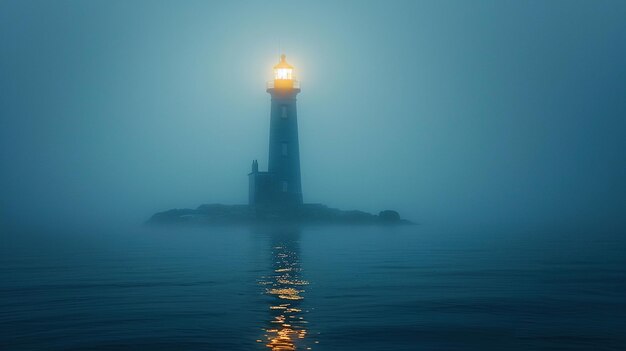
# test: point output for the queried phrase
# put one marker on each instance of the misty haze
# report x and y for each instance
(451, 177)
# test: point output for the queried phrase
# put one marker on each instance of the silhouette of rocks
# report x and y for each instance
(244, 214)
(389, 216)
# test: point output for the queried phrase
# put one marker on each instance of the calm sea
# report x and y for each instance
(426, 287)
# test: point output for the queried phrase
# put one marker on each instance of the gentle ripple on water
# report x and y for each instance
(337, 288)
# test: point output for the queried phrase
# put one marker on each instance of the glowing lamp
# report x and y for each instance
(283, 74)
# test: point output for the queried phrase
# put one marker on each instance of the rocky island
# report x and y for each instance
(219, 214)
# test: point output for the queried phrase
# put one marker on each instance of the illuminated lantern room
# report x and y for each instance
(283, 75)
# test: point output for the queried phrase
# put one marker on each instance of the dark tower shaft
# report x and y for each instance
(284, 150)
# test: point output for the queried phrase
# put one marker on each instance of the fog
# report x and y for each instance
(503, 112)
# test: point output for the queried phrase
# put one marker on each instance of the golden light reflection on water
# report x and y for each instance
(287, 327)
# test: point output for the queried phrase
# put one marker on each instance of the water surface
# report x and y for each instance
(427, 287)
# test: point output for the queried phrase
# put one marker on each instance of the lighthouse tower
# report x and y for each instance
(280, 185)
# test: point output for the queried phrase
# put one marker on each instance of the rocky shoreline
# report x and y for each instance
(244, 214)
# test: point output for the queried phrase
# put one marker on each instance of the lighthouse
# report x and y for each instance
(280, 185)
(275, 195)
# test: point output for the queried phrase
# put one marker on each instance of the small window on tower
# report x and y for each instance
(284, 149)
(283, 111)
(284, 186)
